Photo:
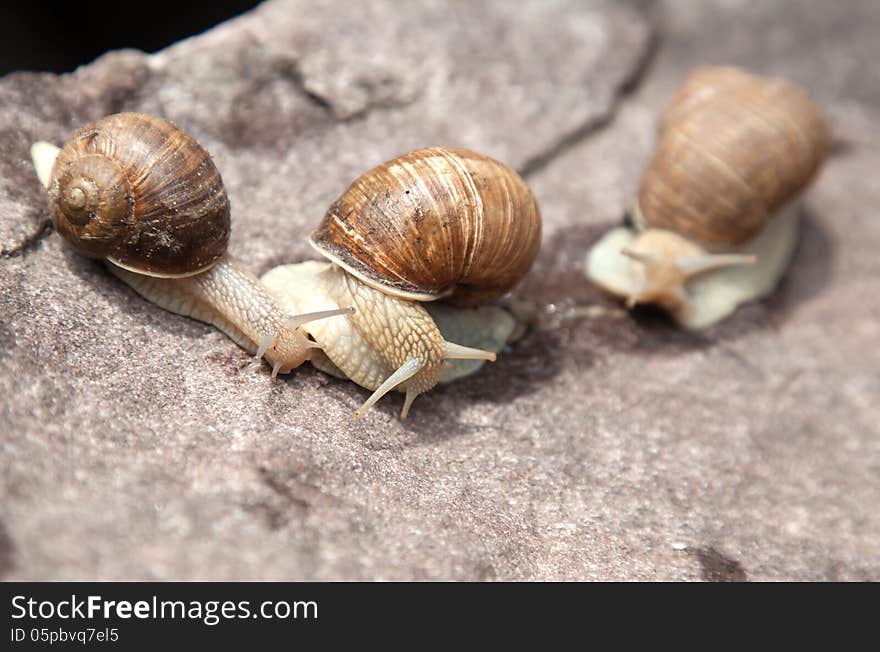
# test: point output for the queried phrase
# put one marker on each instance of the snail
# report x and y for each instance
(140, 193)
(715, 218)
(419, 246)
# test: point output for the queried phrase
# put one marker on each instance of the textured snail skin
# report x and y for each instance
(385, 332)
(715, 217)
(380, 336)
(138, 192)
(232, 300)
(434, 224)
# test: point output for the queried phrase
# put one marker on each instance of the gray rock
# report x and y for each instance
(137, 444)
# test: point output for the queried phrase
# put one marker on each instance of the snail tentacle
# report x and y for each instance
(43, 155)
(295, 321)
(266, 341)
(663, 277)
(453, 351)
(691, 266)
(298, 320)
(407, 402)
(406, 371)
(269, 339)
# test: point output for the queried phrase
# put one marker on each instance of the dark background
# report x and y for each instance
(58, 37)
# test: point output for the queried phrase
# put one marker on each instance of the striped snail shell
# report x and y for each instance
(733, 148)
(435, 223)
(138, 191)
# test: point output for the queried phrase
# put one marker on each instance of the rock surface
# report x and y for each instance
(137, 444)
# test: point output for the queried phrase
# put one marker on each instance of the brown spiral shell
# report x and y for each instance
(140, 192)
(435, 223)
(733, 148)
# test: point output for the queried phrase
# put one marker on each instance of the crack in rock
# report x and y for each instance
(717, 567)
(29, 243)
(7, 552)
(628, 86)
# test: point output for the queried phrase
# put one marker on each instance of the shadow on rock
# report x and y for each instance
(648, 329)
(95, 274)
(520, 370)
(571, 311)
(807, 276)
(582, 316)
(557, 278)
(555, 286)
(717, 567)
(555, 283)
(810, 270)
(7, 552)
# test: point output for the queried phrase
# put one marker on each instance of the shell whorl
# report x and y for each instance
(142, 193)
(733, 148)
(435, 223)
(92, 204)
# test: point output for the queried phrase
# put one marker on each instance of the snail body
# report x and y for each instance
(436, 225)
(715, 219)
(144, 196)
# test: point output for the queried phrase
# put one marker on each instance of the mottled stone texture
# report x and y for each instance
(137, 444)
